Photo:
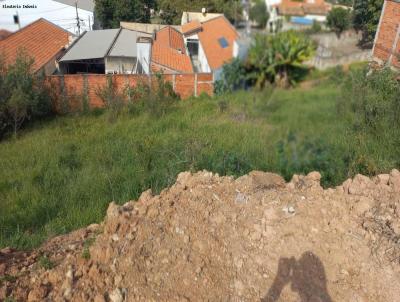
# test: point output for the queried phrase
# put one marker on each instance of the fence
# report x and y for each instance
(80, 90)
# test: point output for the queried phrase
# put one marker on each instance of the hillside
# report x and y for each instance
(223, 239)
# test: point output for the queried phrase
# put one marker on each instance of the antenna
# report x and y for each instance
(78, 22)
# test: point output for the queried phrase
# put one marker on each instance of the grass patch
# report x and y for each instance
(62, 174)
(86, 245)
(45, 263)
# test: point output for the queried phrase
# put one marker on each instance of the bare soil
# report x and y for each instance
(211, 238)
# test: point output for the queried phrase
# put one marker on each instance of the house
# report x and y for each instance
(204, 16)
(387, 40)
(168, 53)
(211, 43)
(42, 40)
(4, 34)
(300, 13)
(111, 51)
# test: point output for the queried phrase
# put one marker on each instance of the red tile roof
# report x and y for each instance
(212, 31)
(4, 34)
(302, 8)
(191, 27)
(169, 51)
(42, 40)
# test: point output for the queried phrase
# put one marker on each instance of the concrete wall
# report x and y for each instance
(333, 51)
(120, 65)
(387, 41)
(75, 89)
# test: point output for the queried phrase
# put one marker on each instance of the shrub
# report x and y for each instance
(24, 95)
(233, 77)
(371, 100)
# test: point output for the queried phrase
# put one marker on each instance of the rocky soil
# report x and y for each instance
(211, 238)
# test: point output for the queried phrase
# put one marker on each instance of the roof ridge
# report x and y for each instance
(32, 23)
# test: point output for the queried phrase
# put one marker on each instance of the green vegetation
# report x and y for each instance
(366, 17)
(278, 59)
(259, 13)
(339, 20)
(111, 12)
(23, 95)
(171, 11)
(61, 174)
(45, 263)
(86, 245)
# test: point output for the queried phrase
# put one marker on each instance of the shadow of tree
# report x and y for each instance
(306, 276)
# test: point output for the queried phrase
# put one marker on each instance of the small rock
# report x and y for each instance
(241, 198)
(116, 295)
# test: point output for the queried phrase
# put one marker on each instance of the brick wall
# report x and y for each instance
(387, 43)
(74, 92)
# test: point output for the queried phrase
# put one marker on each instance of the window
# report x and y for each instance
(222, 41)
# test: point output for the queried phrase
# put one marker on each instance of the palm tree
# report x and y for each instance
(274, 58)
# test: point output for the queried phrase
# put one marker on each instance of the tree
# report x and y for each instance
(171, 11)
(23, 94)
(366, 15)
(339, 20)
(110, 12)
(259, 14)
(17, 107)
(277, 58)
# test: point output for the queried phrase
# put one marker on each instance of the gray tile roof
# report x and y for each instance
(91, 45)
(125, 45)
(99, 44)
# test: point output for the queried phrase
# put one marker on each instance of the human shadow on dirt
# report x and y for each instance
(306, 276)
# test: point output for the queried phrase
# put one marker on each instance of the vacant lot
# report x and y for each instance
(61, 174)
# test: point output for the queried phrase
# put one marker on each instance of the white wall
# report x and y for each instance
(269, 3)
(143, 55)
(203, 60)
(318, 18)
(204, 67)
(235, 49)
(120, 65)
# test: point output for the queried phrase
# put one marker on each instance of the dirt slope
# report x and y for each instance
(211, 238)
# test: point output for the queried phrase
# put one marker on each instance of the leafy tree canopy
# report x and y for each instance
(111, 12)
(339, 20)
(366, 17)
(259, 14)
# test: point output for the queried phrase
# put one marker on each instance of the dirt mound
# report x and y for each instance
(211, 238)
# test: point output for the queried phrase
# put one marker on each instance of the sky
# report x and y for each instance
(58, 13)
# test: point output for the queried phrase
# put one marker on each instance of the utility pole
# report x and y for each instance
(78, 24)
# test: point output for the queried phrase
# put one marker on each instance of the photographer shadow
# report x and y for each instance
(306, 276)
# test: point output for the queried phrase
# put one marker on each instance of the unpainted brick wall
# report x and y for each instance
(387, 46)
(72, 91)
